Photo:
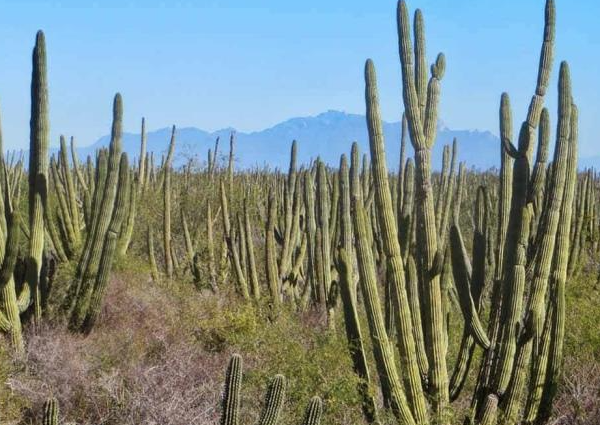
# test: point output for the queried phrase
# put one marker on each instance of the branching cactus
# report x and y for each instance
(110, 246)
(421, 100)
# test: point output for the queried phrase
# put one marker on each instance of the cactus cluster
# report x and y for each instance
(405, 252)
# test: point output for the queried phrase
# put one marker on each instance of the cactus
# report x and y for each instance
(231, 394)
(391, 247)
(9, 315)
(50, 412)
(151, 257)
(71, 196)
(474, 281)
(82, 287)
(270, 255)
(253, 274)
(273, 401)
(391, 387)
(233, 250)
(349, 296)
(212, 269)
(143, 156)
(110, 245)
(421, 112)
(38, 170)
(313, 413)
(230, 164)
(127, 231)
(542, 408)
(83, 184)
(167, 208)
(310, 227)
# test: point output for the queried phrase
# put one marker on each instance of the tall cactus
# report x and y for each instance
(110, 245)
(382, 348)
(349, 296)
(38, 170)
(167, 170)
(391, 247)
(91, 255)
(272, 273)
(421, 105)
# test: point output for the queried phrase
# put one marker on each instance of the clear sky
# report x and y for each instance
(251, 64)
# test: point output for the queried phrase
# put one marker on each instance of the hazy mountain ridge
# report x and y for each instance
(327, 135)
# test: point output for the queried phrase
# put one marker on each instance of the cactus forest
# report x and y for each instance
(140, 290)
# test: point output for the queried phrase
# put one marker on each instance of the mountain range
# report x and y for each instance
(326, 135)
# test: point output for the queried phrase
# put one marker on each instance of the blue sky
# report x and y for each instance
(252, 64)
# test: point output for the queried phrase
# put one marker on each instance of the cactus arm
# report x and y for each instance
(462, 272)
(127, 232)
(71, 196)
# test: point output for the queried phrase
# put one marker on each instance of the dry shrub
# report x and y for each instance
(578, 400)
(137, 366)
